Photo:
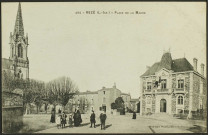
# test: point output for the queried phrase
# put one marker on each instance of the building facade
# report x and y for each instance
(18, 62)
(98, 100)
(173, 86)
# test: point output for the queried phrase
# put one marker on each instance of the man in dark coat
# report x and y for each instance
(103, 117)
(92, 119)
(59, 111)
(134, 115)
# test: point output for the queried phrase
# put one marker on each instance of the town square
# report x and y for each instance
(69, 68)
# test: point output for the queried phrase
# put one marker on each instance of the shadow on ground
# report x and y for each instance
(84, 124)
(97, 125)
(107, 126)
(26, 128)
(198, 129)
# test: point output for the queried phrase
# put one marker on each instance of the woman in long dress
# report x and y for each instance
(76, 120)
(52, 116)
(79, 117)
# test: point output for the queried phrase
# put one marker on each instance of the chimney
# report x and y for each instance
(114, 86)
(202, 69)
(195, 63)
(147, 67)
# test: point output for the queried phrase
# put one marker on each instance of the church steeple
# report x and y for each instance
(18, 28)
(19, 48)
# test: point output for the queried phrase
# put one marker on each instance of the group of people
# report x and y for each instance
(103, 117)
(61, 120)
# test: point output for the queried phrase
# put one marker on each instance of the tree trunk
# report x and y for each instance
(46, 108)
(37, 109)
(55, 109)
(26, 109)
(29, 109)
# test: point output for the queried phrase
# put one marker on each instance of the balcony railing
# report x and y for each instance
(162, 90)
(156, 90)
(179, 90)
(147, 91)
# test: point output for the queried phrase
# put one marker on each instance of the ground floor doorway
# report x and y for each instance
(163, 105)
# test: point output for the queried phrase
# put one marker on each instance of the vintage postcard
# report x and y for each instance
(104, 67)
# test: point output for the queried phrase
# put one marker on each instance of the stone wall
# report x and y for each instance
(12, 111)
(173, 104)
(204, 94)
(12, 119)
(143, 104)
(187, 89)
(153, 104)
(196, 91)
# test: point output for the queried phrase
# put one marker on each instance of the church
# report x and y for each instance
(18, 62)
(17, 66)
(173, 86)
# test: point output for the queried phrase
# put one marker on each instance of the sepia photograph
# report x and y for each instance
(103, 67)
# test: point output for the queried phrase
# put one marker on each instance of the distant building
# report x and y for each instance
(127, 100)
(18, 62)
(173, 86)
(98, 100)
(135, 105)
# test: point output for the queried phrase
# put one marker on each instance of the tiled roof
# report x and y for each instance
(6, 63)
(108, 89)
(180, 65)
(134, 99)
(177, 65)
(124, 94)
(87, 92)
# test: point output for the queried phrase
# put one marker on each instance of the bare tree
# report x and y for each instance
(61, 90)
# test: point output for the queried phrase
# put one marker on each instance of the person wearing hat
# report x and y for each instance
(70, 120)
(103, 117)
(134, 115)
(63, 120)
(92, 119)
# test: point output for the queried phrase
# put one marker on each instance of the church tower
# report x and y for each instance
(19, 47)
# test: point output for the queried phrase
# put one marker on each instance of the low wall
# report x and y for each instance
(12, 111)
(12, 119)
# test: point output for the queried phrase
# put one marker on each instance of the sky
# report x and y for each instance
(96, 50)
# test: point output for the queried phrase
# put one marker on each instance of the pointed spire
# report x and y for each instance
(18, 28)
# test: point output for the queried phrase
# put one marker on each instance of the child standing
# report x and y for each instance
(58, 121)
(70, 120)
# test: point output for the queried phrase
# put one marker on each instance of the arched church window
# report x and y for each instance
(20, 51)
